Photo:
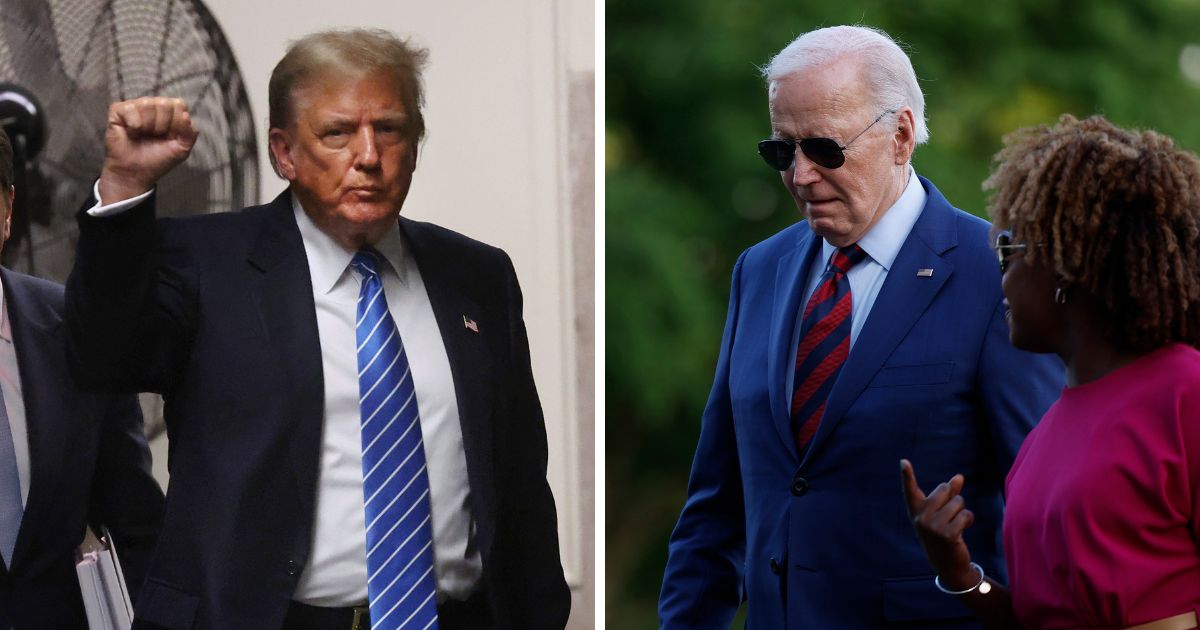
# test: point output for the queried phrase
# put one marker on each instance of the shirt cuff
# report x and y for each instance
(100, 210)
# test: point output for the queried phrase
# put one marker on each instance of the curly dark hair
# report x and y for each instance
(1115, 213)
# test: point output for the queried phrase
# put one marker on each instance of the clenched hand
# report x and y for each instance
(144, 139)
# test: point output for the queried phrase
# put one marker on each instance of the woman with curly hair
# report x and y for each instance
(1098, 236)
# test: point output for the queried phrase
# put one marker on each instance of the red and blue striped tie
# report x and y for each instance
(824, 343)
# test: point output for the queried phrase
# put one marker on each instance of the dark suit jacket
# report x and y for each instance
(89, 464)
(216, 313)
(824, 541)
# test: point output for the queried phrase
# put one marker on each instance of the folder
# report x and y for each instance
(102, 584)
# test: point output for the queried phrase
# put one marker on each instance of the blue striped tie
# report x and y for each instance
(400, 579)
(11, 509)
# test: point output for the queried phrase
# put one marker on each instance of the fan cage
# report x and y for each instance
(77, 57)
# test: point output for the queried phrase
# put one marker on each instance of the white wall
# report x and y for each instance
(494, 167)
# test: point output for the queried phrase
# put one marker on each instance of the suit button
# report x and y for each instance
(776, 568)
(292, 567)
(799, 486)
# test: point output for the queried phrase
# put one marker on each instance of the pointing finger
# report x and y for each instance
(913, 496)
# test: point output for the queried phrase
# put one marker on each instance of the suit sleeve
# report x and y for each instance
(124, 496)
(129, 307)
(1017, 387)
(536, 589)
(702, 585)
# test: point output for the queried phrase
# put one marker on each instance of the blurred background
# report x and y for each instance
(686, 191)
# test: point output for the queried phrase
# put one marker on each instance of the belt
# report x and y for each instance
(1182, 621)
(305, 617)
(452, 615)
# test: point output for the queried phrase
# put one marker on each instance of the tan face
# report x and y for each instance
(349, 154)
(832, 101)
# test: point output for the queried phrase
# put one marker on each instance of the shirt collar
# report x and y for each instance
(328, 260)
(884, 240)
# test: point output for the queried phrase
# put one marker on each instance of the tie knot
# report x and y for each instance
(366, 262)
(846, 257)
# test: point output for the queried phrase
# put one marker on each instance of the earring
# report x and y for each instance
(1060, 296)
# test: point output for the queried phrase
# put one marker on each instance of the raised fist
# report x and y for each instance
(144, 139)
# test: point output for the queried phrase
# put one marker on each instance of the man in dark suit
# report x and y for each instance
(871, 332)
(353, 423)
(67, 458)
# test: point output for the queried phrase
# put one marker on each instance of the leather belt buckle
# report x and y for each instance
(361, 614)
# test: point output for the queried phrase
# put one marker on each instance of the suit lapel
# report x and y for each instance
(470, 366)
(284, 297)
(40, 359)
(902, 300)
(791, 276)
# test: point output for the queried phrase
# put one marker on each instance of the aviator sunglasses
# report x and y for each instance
(1005, 248)
(826, 152)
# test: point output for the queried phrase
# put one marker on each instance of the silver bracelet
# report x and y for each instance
(982, 586)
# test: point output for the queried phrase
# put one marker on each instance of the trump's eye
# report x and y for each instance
(390, 130)
(335, 137)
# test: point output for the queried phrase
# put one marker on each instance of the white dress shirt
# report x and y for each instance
(336, 571)
(882, 244)
(14, 402)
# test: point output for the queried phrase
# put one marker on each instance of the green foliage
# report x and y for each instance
(686, 191)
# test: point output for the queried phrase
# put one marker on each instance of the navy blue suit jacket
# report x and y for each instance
(89, 464)
(824, 541)
(216, 312)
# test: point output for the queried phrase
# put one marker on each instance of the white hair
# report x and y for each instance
(889, 72)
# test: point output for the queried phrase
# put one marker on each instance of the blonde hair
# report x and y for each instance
(346, 51)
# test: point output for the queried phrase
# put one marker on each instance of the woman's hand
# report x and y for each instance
(940, 520)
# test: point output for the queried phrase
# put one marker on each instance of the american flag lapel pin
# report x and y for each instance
(924, 273)
(470, 324)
